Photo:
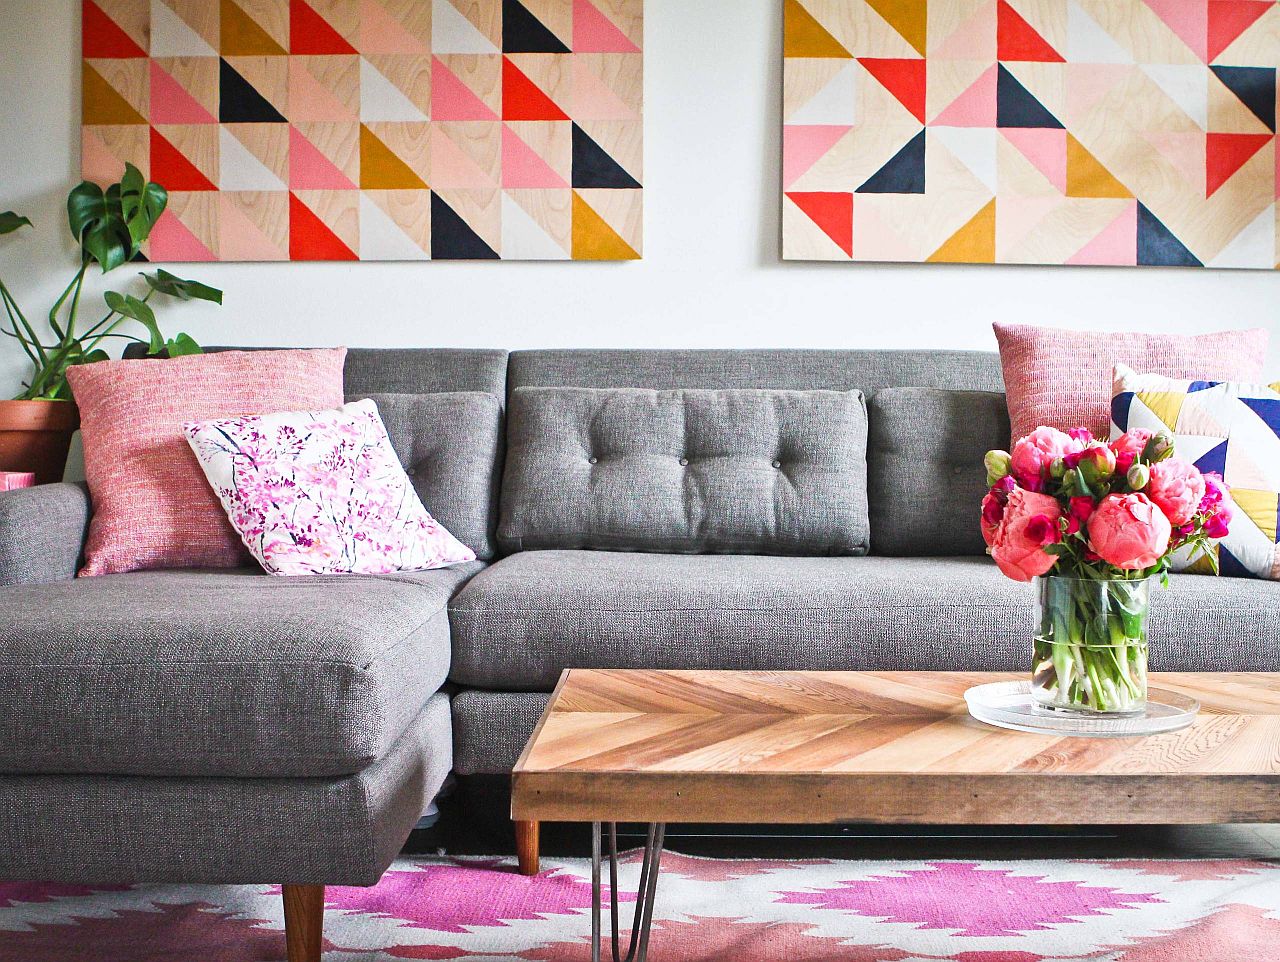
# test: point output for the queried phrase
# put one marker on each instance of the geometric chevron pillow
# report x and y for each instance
(1222, 426)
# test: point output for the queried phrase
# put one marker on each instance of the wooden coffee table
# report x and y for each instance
(890, 747)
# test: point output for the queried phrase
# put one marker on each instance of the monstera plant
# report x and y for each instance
(110, 227)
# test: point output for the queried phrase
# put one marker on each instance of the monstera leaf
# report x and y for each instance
(162, 282)
(110, 225)
(10, 222)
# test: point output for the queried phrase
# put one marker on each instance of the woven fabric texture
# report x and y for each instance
(924, 468)
(777, 472)
(520, 622)
(152, 507)
(218, 673)
(1062, 379)
(342, 830)
(42, 531)
(490, 729)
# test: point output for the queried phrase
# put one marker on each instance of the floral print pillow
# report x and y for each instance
(321, 492)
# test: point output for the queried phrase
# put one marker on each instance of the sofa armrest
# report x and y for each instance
(42, 532)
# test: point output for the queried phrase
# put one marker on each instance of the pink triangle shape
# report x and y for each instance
(1046, 148)
(1117, 243)
(309, 99)
(973, 40)
(1189, 19)
(1087, 83)
(97, 162)
(593, 32)
(311, 170)
(521, 165)
(451, 167)
(976, 107)
(171, 104)
(1185, 150)
(172, 240)
(382, 33)
(804, 145)
(593, 100)
(240, 239)
(451, 99)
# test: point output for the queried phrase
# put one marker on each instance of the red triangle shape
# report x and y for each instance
(1018, 40)
(310, 33)
(1230, 18)
(833, 213)
(521, 98)
(902, 78)
(1227, 153)
(102, 37)
(310, 239)
(171, 170)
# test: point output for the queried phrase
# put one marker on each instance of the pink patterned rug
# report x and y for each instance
(707, 909)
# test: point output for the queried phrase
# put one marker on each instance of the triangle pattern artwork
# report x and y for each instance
(1124, 132)
(379, 129)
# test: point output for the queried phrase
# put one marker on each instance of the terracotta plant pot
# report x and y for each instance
(36, 435)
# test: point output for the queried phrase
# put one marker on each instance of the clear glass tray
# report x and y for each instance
(1008, 704)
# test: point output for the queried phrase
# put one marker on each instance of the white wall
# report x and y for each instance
(711, 274)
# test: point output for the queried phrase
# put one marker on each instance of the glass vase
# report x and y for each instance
(1091, 645)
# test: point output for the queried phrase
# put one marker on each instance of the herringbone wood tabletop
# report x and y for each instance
(801, 747)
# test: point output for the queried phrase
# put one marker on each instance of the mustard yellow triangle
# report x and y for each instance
(103, 104)
(1166, 405)
(974, 243)
(243, 37)
(1260, 506)
(381, 169)
(593, 239)
(803, 36)
(1086, 177)
(908, 17)
(1202, 565)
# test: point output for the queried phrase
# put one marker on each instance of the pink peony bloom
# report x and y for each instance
(992, 512)
(1177, 487)
(1078, 516)
(1034, 455)
(1127, 447)
(1217, 527)
(1083, 435)
(1129, 531)
(1017, 543)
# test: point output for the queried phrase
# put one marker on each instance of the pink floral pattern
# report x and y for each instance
(321, 492)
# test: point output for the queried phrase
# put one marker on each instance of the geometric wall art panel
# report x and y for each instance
(373, 129)
(1129, 132)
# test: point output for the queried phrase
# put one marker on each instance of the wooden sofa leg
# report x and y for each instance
(527, 847)
(304, 921)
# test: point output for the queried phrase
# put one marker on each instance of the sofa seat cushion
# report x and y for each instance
(521, 621)
(231, 673)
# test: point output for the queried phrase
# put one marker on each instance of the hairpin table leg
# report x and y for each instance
(638, 943)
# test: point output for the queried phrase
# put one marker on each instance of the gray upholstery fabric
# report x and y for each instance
(925, 478)
(490, 729)
(218, 673)
(42, 531)
(866, 371)
(451, 446)
(116, 829)
(518, 623)
(777, 472)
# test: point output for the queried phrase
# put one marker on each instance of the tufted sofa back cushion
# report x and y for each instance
(733, 471)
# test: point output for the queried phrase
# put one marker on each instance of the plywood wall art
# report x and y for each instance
(373, 129)
(1138, 132)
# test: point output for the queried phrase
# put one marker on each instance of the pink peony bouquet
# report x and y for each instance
(1066, 503)
(1093, 522)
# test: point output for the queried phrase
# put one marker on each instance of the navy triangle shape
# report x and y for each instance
(452, 238)
(593, 167)
(1201, 386)
(1266, 408)
(240, 103)
(1214, 460)
(1157, 247)
(1256, 88)
(1120, 410)
(522, 32)
(1229, 565)
(902, 174)
(1016, 107)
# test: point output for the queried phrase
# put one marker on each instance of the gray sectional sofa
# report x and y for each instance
(233, 727)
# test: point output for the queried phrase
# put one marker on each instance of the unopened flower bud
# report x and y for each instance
(1138, 476)
(1097, 463)
(1158, 448)
(1058, 469)
(997, 465)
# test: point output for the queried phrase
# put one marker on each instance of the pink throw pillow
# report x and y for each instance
(152, 507)
(1062, 379)
(321, 492)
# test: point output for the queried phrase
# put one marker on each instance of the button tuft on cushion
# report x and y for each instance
(777, 464)
(593, 460)
(684, 461)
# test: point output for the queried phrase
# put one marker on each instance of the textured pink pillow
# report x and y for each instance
(152, 507)
(1062, 379)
